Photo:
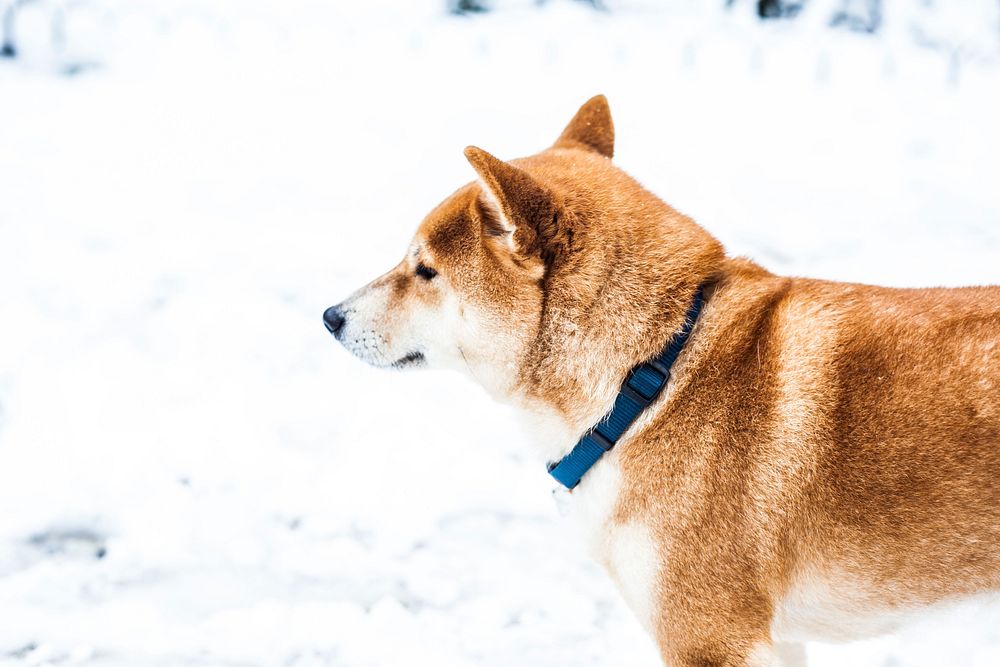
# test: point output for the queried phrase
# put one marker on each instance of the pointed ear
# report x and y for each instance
(591, 128)
(518, 207)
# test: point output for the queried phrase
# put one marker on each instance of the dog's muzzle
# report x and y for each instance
(334, 319)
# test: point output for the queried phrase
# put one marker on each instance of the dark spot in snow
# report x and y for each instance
(24, 651)
(76, 69)
(78, 542)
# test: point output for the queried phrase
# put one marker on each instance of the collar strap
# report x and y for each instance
(642, 386)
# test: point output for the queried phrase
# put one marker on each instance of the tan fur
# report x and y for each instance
(818, 441)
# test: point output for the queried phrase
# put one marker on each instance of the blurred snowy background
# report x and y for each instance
(193, 473)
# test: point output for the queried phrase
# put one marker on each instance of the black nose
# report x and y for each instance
(333, 318)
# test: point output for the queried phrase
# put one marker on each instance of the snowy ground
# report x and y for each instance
(193, 473)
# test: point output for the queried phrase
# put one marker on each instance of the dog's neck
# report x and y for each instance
(591, 378)
(607, 307)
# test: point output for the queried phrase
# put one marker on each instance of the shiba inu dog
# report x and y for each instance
(798, 459)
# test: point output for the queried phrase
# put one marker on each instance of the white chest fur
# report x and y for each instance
(627, 550)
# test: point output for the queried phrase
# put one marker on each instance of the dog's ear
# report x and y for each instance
(591, 128)
(517, 208)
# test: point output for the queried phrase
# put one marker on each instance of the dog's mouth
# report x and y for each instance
(412, 359)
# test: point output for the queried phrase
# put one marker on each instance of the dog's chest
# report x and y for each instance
(625, 549)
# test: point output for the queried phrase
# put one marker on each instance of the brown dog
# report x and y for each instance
(824, 460)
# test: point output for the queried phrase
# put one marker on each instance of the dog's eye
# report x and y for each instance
(425, 272)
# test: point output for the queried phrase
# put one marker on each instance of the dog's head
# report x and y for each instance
(537, 248)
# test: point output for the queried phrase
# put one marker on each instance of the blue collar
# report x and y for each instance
(643, 384)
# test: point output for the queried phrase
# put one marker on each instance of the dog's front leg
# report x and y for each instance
(722, 636)
(761, 654)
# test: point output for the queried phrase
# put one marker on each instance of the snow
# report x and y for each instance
(193, 473)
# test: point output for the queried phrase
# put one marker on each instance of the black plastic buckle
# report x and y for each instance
(634, 393)
(660, 368)
(635, 396)
(601, 440)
